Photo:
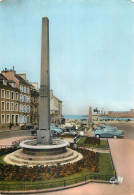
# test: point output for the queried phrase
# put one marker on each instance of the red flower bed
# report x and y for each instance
(38, 173)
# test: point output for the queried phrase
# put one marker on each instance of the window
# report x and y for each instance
(24, 89)
(2, 118)
(12, 106)
(24, 98)
(21, 88)
(2, 106)
(12, 95)
(21, 97)
(25, 119)
(20, 119)
(16, 107)
(21, 108)
(27, 90)
(28, 99)
(16, 96)
(13, 85)
(8, 106)
(2, 93)
(4, 82)
(28, 108)
(8, 94)
(28, 119)
(7, 118)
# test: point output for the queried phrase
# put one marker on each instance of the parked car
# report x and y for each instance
(109, 132)
(56, 129)
(27, 126)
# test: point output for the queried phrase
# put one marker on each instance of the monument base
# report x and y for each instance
(32, 154)
(44, 137)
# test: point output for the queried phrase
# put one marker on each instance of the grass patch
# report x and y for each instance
(2, 159)
(106, 171)
(81, 143)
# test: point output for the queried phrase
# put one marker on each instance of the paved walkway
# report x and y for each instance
(8, 141)
(123, 157)
(14, 128)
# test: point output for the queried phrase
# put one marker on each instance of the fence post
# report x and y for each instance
(8, 187)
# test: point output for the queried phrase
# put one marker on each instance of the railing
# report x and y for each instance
(61, 183)
(76, 138)
(112, 159)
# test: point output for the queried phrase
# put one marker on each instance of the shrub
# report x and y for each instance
(92, 140)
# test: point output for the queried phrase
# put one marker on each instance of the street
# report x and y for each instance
(128, 128)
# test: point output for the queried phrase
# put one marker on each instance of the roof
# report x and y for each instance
(2, 77)
(57, 98)
(22, 80)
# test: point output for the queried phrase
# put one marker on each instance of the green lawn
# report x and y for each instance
(106, 171)
(1, 159)
(103, 143)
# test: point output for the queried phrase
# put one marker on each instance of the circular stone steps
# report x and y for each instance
(19, 158)
(19, 154)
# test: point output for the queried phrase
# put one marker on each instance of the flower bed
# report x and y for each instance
(92, 142)
(90, 163)
(4, 151)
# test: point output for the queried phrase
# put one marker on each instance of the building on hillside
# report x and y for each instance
(9, 102)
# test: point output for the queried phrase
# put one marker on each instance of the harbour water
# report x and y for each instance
(85, 117)
(76, 117)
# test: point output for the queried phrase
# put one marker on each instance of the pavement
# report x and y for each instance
(8, 141)
(5, 129)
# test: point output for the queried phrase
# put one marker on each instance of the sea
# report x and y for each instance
(85, 117)
(76, 117)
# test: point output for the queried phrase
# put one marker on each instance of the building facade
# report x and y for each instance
(19, 97)
(9, 102)
(55, 109)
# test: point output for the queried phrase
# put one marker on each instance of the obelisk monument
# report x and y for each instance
(90, 115)
(44, 133)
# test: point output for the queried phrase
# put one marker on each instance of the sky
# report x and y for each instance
(91, 49)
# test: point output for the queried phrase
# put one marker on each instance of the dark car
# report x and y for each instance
(27, 126)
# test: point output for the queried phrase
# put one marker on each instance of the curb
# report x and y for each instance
(53, 189)
(8, 130)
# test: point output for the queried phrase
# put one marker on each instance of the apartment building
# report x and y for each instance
(9, 102)
(23, 102)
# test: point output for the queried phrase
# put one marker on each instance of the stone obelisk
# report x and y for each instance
(90, 115)
(43, 134)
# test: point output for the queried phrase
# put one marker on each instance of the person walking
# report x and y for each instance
(10, 126)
